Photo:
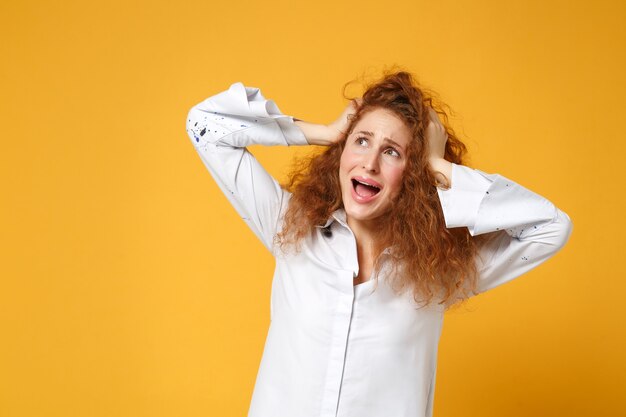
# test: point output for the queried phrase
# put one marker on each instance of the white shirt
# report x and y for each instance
(334, 349)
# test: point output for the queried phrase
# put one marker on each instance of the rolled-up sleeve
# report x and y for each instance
(532, 228)
(220, 128)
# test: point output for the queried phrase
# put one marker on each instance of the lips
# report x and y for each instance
(364, 189)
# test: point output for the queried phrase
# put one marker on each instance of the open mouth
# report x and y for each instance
(364, 189)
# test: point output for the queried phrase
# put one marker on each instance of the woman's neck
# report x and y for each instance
(366, 235)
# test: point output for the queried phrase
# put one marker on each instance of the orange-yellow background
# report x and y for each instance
(129, 287)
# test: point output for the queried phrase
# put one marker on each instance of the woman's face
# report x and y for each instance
(372, 163)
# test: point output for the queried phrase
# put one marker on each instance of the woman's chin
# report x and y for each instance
(361, 214)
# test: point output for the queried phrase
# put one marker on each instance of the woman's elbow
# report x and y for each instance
(566, 228)
(196, 126)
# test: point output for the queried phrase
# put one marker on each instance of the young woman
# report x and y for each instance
(373, 239)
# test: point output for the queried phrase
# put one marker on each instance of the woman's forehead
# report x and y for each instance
(383, 124)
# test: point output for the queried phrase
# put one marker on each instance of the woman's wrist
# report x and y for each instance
(442, 170)
(315, 134)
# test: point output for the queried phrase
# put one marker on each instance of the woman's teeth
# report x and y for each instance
(364, 189)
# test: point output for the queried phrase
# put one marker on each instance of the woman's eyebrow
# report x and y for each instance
(393, 142)
(385, 139)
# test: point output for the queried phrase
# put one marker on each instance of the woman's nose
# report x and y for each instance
(370, 162)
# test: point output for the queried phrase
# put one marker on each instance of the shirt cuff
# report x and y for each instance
(461, 201)
(249, 102)
(490, 202)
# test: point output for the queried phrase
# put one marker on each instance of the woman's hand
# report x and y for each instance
(326, 135)
(339, 127)
(436, 138)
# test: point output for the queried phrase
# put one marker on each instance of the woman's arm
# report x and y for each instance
(316, 134)
(220, 128)
(325, 135)
(532, 229)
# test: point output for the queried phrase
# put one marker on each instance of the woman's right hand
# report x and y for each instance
(339, 127)
(326, 135)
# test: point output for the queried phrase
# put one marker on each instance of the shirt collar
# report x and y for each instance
(339, 215)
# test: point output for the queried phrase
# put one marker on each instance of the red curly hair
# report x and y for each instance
(436, 262)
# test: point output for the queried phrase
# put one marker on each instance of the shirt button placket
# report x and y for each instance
(337, 355)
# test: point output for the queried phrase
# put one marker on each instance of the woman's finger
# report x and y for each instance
(434, 116)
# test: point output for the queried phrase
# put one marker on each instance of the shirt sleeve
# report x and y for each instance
(220, 128)
(532, 228)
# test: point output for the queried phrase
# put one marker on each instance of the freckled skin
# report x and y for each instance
(374, 158)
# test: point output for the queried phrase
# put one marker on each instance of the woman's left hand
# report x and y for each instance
(436, 136)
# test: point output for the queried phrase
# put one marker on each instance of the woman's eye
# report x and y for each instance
(392, 152)
(361, 140)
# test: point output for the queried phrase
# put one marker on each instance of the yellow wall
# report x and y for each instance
(129, 287)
